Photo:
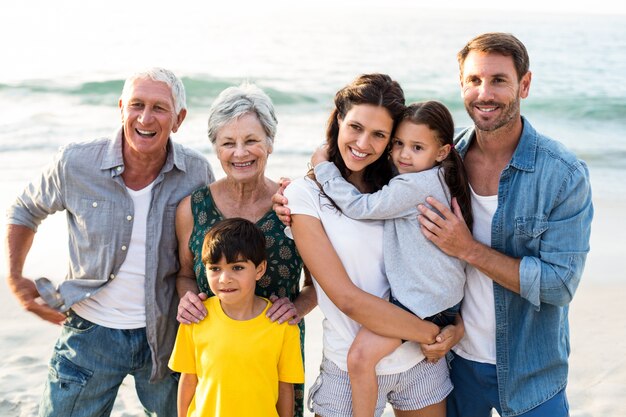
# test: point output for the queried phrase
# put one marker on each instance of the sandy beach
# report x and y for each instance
(597, 376)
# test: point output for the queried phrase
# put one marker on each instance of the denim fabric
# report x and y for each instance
(480, 393)
(88, 365)
(85, 180)
(544, 218)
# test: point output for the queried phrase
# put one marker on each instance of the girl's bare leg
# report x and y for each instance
(366, 351)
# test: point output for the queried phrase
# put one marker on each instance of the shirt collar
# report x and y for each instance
(525, 152)
(114, 159)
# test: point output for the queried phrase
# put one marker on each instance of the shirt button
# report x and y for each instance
(129, 217)
(124, 247)
(118, 169)
(112, 276)
(88, 295)
(94, 204)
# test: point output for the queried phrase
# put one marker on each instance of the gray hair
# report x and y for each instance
(160, 74)
(234, 102)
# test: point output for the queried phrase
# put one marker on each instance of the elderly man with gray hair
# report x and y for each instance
(118, 303)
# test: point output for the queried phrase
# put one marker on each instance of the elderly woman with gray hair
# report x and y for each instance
(242, 126)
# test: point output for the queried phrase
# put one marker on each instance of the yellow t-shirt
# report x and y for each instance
(238, 363)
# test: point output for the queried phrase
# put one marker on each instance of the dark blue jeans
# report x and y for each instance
(475, 393)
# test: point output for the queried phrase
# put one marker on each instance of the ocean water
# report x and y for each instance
(66, 68)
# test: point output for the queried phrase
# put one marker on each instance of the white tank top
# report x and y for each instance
(121, 303)
(478, 307)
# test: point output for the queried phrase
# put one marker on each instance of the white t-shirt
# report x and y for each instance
(478, 307)
(359, 245)
(121, 303)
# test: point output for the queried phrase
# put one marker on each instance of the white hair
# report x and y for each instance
(234, 102)
(159, 74)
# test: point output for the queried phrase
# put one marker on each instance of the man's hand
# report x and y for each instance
(28, 297)
(320, 155)
(191, 309)
(279, 202)
(283, 310)
(449, 233)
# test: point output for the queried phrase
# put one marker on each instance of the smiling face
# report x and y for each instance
(415, 148)
(242, 148)
(148, 117)
(234, 283)
(491, 90)
(364, 133)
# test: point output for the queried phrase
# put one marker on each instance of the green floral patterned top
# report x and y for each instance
(284, 266)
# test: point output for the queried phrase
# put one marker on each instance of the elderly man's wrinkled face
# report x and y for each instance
(149, 116)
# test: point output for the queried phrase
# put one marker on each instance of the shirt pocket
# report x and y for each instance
(94, 221)
(528, 231)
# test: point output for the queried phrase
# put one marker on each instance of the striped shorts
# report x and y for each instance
(418, 387)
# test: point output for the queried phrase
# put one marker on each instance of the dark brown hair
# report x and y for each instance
(438, 119)
(502, 43)
(375, 89)
(234, 239)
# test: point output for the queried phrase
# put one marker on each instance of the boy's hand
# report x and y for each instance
(279, 202)
(320, 155)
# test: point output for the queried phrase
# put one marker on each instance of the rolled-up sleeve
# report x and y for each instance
(41, 197)
(554, 275)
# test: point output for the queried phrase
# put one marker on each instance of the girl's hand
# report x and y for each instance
(320, 155)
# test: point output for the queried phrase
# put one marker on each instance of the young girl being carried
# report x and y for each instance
(423, 279)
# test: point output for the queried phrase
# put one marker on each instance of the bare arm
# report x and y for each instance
(190, 307)
(186, 391)
(307, 300)
(397, 199)
(284, 405)
(19, 240)
(453, 237)
(376, 314)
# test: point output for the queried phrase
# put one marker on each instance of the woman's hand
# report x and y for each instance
(283, 310)
(445, 340)
(279, 202)
(190, 308)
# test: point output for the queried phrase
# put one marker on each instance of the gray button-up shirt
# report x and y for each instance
(85, 180)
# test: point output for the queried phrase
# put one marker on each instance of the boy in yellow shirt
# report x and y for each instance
(236, 362)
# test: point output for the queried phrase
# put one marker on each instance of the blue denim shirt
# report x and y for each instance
(543, 217)
(85, 180)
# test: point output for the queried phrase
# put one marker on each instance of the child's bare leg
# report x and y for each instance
(366, 351)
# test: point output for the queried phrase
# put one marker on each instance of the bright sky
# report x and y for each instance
(560, 6)
(613, 7)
